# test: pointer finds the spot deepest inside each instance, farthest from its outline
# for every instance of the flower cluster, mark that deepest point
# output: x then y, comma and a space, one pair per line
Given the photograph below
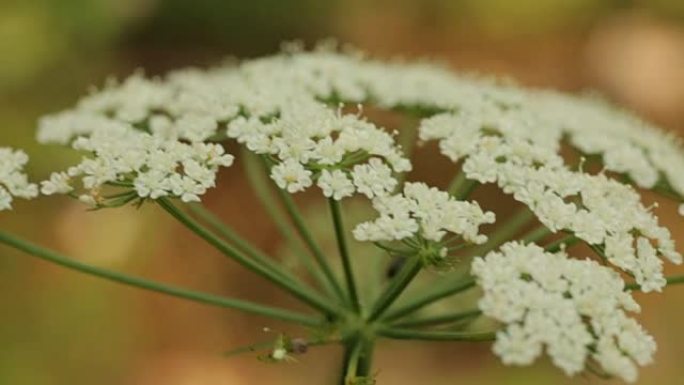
595, 208
144, 165
308, 141
425, 212
13, 182
272, 92
574, 309
151, 138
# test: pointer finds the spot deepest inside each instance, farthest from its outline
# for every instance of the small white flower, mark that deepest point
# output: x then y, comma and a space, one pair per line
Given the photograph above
196, 128
291, 176
13, 182
59, 183
335, 184
373, 178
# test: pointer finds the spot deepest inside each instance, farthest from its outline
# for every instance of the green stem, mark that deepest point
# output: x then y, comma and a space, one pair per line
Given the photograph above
344, 253
292, 287
461, 187
140, 283
674, 280
236, 239
536, 235
260, 183
313, 246
411, 268
440, 319
358, 359
411, 334
423, 300
556, 246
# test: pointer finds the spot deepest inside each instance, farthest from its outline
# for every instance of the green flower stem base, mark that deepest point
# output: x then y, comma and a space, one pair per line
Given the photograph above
292, 287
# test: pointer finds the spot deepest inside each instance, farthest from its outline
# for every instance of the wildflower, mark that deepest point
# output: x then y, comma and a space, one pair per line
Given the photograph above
575, 310
595, 208
335, 184
59, 183
424, 212
13, 182
291, 175
143, 165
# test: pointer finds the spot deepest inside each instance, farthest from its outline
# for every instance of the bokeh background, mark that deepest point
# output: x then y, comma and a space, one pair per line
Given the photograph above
59, 327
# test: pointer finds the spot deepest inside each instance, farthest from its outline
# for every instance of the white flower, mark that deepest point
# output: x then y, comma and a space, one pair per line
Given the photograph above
335, 184
59, 183
13, 182
373, 178
575, 310
424, 211
196, 128
291, 176
315, 136
150, 166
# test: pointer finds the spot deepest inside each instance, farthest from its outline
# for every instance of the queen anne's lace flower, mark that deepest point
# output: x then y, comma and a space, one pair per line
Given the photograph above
145, 166
154, 138
426, 212
13, 182
574, 309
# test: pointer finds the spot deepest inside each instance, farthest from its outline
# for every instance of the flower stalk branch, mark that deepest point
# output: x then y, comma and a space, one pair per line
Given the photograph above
209, 299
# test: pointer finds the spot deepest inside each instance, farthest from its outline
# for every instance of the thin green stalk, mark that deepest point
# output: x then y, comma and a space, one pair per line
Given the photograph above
358, 361
209, 299
536, 235
411, 334
409, 271
260, 183
556, 246
439, 319
674, 280
311, 243
350, 372
242, 244
344, 253
434, 295
461, 187
291, 287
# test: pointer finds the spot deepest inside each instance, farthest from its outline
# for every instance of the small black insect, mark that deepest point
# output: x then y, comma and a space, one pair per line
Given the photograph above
395, 265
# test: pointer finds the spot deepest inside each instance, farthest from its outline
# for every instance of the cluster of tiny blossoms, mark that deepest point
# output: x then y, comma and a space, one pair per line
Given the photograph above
144, 165
595, 208
13, 182
156, 137
309, 141
574, 309
424, 212
198, 105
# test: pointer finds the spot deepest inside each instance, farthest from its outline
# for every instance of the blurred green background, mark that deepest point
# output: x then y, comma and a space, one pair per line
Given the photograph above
59, 328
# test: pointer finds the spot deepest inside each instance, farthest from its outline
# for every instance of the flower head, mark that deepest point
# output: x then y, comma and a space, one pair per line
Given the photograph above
142, 165
596, 208
13, 182
573, 309
424, 215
